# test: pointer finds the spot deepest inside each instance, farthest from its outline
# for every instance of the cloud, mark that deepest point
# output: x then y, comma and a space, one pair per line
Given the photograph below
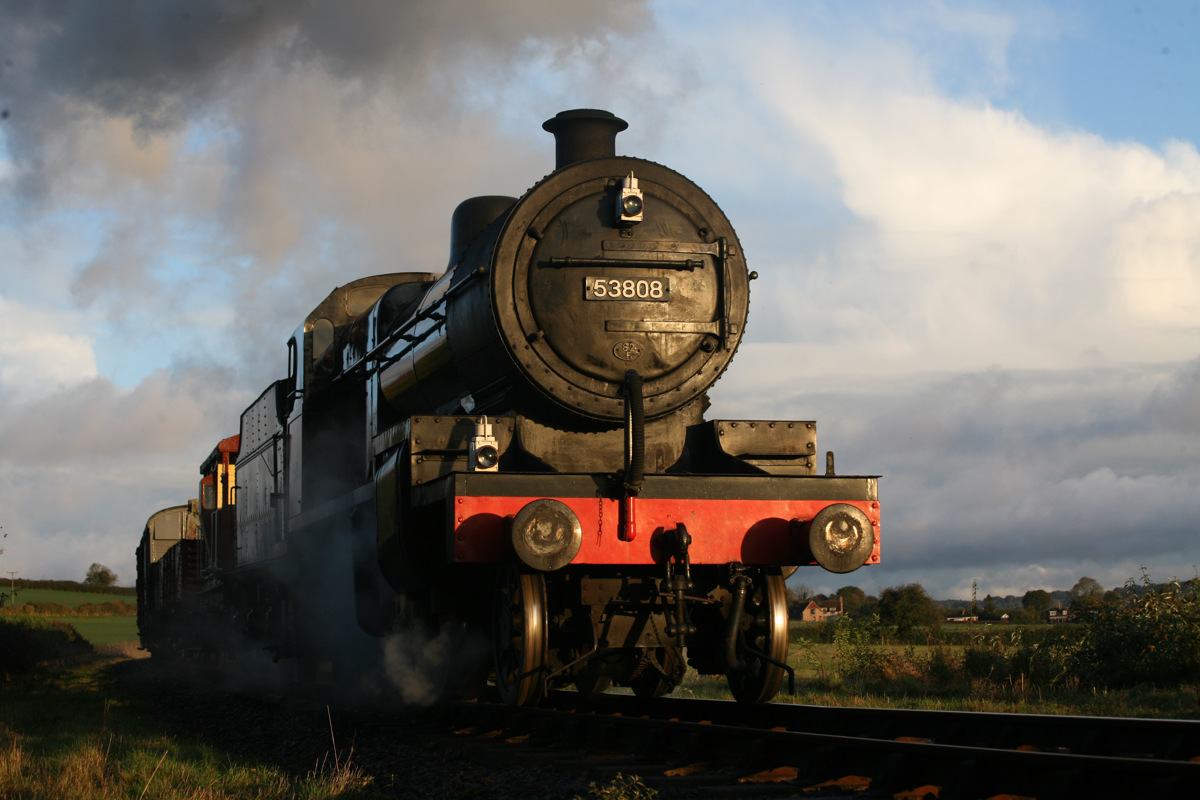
162, 66
1175, 403
1156, 255
82, 467
1002, 325
96, 421
39, 351
259, 154
1000, 473
977, 237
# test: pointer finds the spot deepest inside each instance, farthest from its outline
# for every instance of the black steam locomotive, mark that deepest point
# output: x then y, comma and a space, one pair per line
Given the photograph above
517, 446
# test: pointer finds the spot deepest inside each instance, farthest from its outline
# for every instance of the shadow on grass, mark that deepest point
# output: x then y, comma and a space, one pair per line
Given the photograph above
93, 728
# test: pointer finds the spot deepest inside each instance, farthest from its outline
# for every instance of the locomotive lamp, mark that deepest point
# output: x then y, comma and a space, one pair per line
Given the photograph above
629, 202
841, 537
546, 534
483, 454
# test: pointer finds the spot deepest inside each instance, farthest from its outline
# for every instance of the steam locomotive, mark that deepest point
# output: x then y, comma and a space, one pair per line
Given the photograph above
517, 447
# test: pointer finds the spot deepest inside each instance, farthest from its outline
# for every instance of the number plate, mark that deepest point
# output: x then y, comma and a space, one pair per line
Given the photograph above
653, 290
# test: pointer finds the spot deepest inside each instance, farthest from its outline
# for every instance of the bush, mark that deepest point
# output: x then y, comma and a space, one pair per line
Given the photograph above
1150, 635
109, 609
25, 643
944, 671
48, 608
42, 608
861, 659
1042, 657
814, 632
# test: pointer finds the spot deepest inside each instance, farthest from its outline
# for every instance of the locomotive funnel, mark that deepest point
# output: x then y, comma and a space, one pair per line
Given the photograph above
470, 219
584, 133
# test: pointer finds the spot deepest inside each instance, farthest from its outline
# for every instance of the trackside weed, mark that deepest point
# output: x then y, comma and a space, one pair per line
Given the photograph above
622, 787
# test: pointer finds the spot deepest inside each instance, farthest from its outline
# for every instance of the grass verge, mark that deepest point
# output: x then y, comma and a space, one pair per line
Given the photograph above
1181, 702
1047, 670
67, 730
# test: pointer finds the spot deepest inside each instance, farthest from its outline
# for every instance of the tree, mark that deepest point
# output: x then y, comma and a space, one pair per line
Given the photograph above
848, 591
1036, 601
1086, 587
1086, 606
801, 593
798, 597
868, 609
1028, 616
852, 599
989, 609
100, 575
907, 607
1086, 596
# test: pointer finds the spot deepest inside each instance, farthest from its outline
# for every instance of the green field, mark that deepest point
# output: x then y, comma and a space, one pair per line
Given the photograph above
103, 630
69, 598
97, 630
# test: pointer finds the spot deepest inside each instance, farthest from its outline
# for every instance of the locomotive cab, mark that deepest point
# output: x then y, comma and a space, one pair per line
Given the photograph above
218, 522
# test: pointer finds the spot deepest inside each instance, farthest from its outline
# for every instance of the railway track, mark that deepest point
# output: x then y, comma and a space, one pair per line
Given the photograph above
715, 748
690, 748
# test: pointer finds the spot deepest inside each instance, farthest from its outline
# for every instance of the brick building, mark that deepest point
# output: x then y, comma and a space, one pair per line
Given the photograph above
822, 612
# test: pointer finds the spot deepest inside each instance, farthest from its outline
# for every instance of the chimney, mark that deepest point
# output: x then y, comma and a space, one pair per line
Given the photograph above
584, 133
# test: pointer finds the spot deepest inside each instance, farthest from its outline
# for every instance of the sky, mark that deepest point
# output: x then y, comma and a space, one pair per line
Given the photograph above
977, 227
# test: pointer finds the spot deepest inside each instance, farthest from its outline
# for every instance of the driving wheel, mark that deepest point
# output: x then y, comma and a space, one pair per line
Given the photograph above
764, 633
519, 636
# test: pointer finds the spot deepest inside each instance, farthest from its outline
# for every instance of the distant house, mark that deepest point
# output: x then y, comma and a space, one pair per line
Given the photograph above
965, 618
1058, 615
821, 612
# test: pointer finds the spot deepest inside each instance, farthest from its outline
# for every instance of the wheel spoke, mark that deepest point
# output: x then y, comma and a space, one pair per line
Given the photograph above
766, 636
519, 636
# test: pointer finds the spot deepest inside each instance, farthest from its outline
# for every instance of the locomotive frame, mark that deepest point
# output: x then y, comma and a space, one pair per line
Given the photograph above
517, 448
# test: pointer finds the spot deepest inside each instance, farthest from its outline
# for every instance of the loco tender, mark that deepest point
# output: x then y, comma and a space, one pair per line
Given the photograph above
517, 446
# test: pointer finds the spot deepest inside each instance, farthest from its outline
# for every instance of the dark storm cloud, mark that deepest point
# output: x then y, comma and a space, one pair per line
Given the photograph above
161, 64
257, 96
1176, 404
1021, 478
220, 144
1007, 468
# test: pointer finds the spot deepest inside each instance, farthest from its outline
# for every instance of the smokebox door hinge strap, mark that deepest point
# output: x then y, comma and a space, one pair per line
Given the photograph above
635, 454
